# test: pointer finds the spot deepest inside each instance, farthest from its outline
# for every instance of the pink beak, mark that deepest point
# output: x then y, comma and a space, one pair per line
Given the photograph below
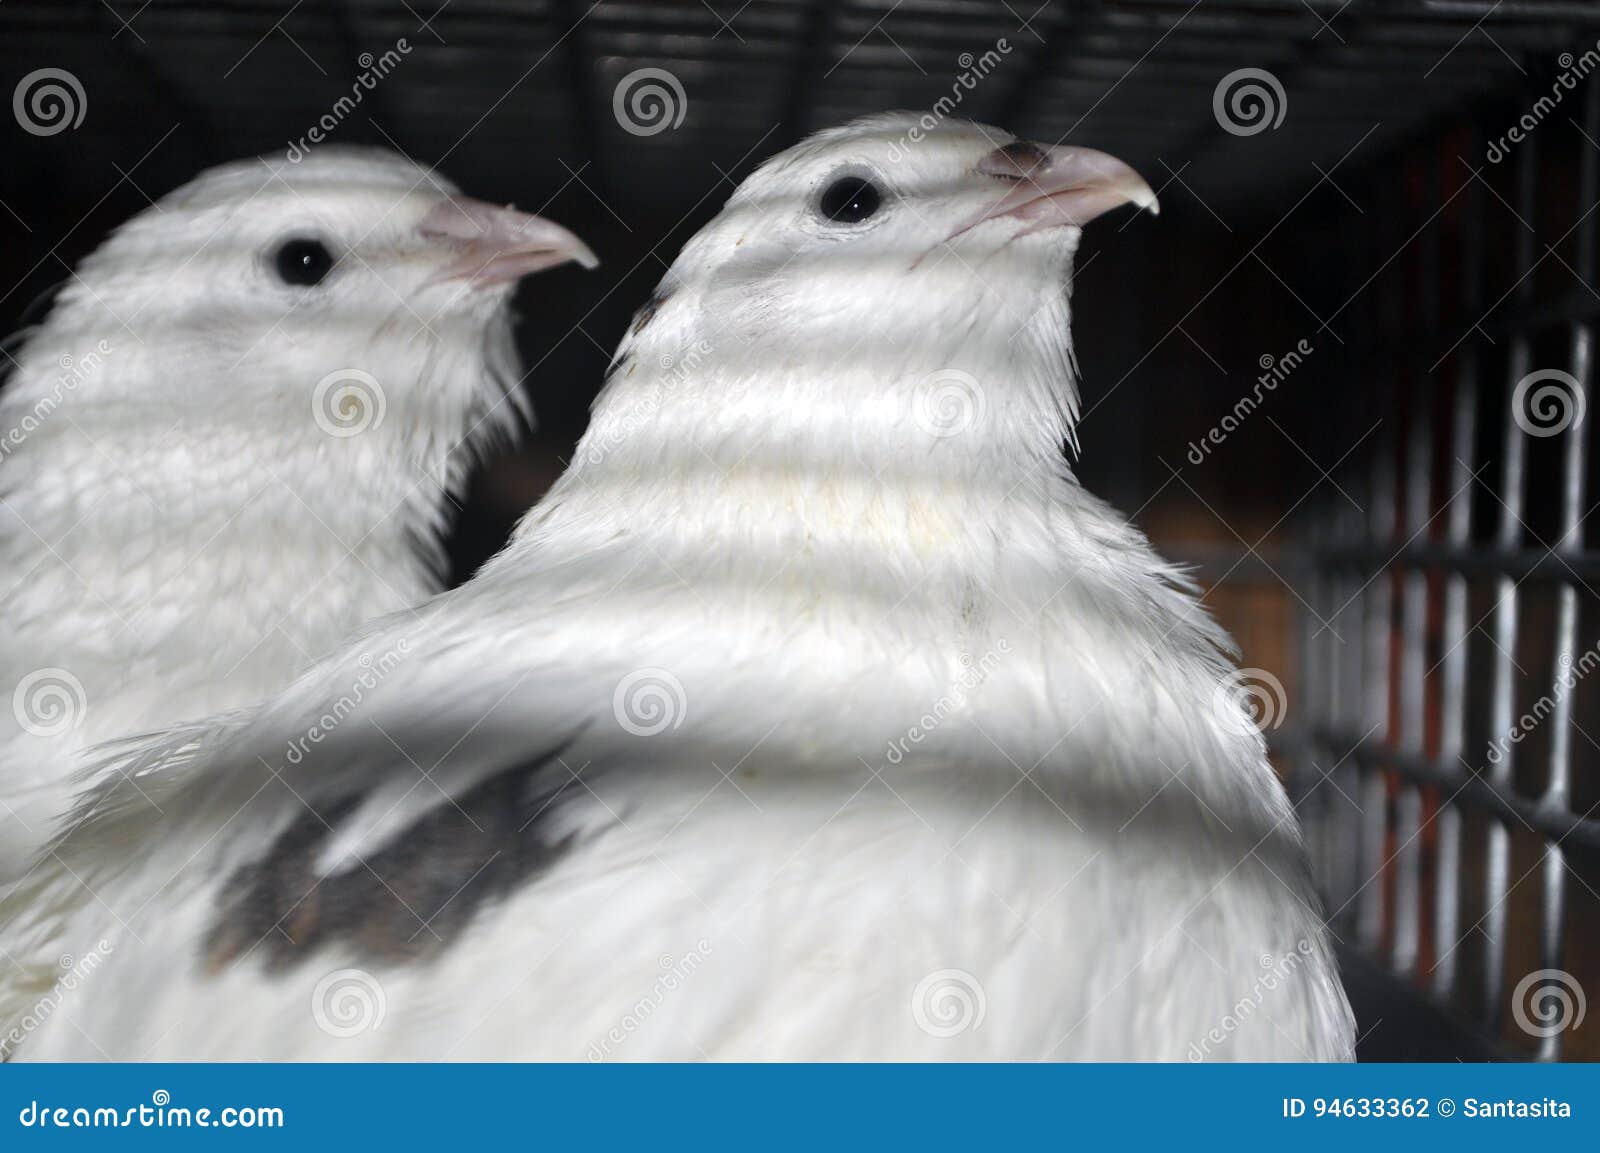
494, 245
1055, 187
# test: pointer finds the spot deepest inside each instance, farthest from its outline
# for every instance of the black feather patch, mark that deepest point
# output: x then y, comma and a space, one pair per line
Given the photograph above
647, 312
410, 899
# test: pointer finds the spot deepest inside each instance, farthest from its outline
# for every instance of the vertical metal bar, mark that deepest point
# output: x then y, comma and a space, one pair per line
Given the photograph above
1378, 603
1347, 651
1413, 673
1352, 677
1508, 537
1316, 699
1378, 626
1414, 620
1557, 793
1453, 666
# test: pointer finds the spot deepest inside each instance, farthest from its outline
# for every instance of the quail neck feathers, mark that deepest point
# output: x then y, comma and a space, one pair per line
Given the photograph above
817, 666
231, 442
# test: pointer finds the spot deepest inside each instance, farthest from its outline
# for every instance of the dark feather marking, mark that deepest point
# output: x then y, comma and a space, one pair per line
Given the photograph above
648, 310
412, 898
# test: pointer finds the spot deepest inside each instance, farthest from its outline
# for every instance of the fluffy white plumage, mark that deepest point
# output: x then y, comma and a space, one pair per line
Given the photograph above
796, 722
185, 520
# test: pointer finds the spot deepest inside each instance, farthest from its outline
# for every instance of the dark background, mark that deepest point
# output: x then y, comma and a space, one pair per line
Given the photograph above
1346, 225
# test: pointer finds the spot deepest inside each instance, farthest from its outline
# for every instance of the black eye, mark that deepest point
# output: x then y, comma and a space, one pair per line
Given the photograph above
850, 200
302, 262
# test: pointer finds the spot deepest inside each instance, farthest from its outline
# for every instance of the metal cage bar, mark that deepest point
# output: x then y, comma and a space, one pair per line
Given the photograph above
1508, 537
1396, 699
1454, 625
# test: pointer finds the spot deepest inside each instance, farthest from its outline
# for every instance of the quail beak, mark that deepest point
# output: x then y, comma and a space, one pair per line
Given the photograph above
1060, 186
493, 245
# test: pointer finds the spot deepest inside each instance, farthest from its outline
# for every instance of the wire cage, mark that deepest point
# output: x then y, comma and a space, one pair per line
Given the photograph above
1348, 374
1448, 751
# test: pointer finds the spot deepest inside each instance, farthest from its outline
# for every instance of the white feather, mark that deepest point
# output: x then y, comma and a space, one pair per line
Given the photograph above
179, 534
840, 830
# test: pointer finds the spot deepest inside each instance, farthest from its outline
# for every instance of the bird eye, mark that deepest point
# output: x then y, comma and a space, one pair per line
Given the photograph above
302, 262
850, 200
